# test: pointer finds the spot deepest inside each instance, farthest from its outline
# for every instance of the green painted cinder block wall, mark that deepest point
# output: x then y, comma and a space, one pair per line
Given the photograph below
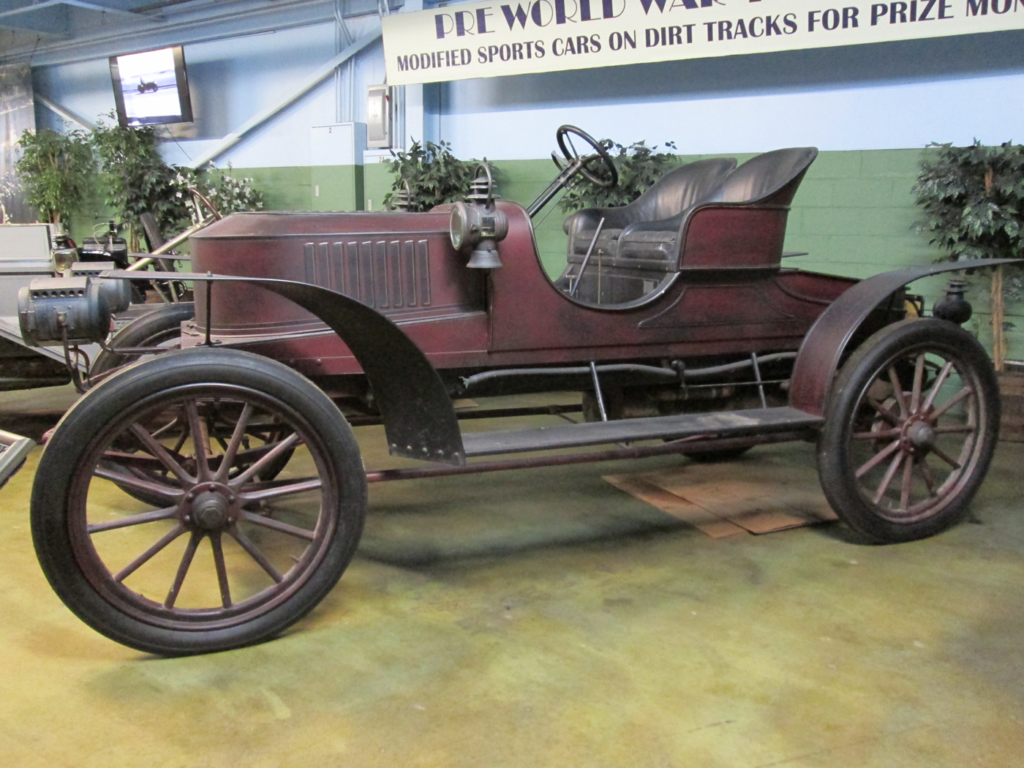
308, 188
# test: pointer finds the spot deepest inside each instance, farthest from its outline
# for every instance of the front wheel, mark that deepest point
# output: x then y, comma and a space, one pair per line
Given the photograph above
155, 522
912, 423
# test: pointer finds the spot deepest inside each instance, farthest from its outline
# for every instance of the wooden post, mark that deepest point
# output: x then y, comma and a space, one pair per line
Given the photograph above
998, 338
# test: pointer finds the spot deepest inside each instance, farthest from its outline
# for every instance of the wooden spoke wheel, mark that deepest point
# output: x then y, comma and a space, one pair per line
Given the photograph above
153, 517
911, 426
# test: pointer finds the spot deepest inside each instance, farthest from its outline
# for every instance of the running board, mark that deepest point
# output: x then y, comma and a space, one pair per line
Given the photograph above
688, 425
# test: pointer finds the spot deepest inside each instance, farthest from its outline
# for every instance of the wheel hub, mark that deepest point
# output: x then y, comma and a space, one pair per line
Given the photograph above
920, 435
210, 506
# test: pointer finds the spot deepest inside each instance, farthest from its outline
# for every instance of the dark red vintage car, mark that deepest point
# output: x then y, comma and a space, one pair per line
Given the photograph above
208, 497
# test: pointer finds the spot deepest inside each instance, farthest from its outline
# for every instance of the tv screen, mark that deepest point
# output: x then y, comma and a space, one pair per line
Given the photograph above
151, 88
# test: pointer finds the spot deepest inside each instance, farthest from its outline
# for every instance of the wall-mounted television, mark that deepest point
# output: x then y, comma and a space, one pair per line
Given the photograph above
151, 88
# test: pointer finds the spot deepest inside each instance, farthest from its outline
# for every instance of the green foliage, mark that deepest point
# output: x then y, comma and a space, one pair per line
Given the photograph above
639, 167
225, 192
55, 171
973, 199
433, 173
134, 176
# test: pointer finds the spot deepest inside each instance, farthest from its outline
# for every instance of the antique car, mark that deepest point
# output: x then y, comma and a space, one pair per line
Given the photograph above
207, 491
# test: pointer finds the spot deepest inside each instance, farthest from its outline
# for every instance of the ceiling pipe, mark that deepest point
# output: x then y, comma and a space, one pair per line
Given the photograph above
311, 82
288, 14
67, 114
78, 4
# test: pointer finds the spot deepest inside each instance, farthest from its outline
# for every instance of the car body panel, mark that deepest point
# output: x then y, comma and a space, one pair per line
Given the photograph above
466, 318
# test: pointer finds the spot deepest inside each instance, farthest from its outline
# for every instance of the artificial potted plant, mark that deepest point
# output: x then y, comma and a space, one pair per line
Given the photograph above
428, 175
135, 178
55, 170
639, 167
973, 201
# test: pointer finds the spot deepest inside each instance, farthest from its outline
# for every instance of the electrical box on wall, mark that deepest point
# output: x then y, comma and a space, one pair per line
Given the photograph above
378, 116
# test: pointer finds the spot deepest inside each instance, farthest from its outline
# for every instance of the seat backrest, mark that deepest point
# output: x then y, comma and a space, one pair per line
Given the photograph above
681, 188
775, 175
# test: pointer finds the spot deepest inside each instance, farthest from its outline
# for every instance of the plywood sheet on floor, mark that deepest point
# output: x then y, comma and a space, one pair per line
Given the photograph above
711, 498
694, 514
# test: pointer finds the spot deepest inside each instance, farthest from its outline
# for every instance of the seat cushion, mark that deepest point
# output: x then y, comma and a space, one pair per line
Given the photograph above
605, 243
649, 244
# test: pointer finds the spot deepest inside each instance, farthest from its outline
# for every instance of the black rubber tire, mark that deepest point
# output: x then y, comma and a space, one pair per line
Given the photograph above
873, 436
152, 329
63, 507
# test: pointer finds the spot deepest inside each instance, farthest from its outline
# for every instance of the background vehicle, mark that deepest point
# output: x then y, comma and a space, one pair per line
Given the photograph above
675, 319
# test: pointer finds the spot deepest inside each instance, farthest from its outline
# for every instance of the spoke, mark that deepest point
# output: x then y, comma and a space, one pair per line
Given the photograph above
880, 435
236, 441
137, 484
277, 491
939, 381
124, 522
255, 554
198, 442
908, 468
277, 525
926, 474
280, 448
946, 457
222, 571
877, 459
934, 415
183, 566
572, 148
142, 559
889, 475
884, 412
915, 395
182, 438
897, 391
150, 444
134, 460
965, 429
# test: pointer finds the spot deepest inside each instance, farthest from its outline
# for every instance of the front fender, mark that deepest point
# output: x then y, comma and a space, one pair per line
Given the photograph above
818, 360
419, 419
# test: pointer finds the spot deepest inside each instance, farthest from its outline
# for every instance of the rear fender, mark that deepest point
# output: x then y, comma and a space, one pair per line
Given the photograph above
419, 419
823, 347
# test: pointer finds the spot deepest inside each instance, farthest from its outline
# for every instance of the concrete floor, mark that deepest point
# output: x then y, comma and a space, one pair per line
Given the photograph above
544, 618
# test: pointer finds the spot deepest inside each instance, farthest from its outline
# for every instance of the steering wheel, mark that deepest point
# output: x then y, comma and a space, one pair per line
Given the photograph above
571, 156
199, 198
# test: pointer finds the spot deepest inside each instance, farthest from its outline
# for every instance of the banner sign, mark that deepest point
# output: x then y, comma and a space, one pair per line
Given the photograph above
514, 37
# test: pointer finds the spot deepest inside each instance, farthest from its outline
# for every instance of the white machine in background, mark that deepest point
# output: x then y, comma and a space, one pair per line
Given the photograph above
25, 254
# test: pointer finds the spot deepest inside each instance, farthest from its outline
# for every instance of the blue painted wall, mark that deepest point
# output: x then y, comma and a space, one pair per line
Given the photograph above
232, 80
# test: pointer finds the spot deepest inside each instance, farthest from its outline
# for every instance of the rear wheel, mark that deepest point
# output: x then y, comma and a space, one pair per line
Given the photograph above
159, 328
912, 423
213, 555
